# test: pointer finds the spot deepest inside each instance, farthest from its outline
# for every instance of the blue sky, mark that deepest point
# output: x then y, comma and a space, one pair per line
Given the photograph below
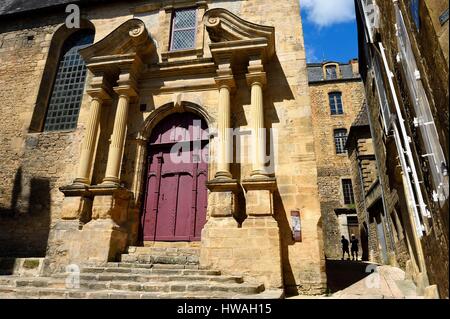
329, 28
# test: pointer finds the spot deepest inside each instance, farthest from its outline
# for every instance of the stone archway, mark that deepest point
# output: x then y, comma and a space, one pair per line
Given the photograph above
175, 198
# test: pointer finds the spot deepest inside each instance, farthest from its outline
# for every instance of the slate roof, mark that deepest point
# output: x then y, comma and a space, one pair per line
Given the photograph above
362, 119
11, 7
315, 72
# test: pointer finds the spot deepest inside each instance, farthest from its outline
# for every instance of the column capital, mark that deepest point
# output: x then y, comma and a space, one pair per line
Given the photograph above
128, 90
226, 81
256, 78
98, 94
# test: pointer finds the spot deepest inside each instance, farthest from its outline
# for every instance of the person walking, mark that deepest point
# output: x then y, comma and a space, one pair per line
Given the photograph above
354, 248
345, 244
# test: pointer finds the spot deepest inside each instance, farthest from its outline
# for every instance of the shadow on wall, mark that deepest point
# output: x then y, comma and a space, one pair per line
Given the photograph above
286, 241
25, 225
342, 274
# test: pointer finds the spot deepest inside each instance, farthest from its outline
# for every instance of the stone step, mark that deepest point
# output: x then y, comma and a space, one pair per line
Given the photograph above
148, 266
155, 286
172, 244
47, 293
142, 278
156, 270
164, 251
159, 259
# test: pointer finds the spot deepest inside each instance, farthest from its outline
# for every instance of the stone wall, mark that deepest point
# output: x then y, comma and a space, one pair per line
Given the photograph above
332, 167
431, 52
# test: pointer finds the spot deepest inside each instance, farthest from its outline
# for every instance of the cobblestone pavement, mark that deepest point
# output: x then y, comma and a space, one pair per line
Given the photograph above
361, 280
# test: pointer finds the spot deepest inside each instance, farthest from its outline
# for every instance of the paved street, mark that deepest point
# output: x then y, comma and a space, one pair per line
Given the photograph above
361, 280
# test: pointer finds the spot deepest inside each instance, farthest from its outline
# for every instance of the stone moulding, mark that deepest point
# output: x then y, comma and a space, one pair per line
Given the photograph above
131, 37
229, 32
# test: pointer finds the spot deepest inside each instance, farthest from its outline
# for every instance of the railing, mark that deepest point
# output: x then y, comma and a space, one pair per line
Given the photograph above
424, 119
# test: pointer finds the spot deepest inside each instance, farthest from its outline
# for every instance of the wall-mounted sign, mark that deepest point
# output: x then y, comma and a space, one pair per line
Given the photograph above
296, 226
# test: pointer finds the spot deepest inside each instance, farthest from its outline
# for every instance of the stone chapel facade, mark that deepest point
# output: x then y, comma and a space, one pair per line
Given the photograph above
88, 138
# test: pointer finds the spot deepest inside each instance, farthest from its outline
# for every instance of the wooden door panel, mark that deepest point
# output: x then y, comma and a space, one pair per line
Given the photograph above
176, 196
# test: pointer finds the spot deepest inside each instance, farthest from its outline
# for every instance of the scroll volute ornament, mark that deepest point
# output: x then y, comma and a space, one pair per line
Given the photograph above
224, 26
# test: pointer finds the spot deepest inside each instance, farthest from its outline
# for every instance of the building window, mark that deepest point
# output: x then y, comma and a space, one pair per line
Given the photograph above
347, 190
336, 103
184, 29
340, 138
65, 99
331, 72
415, 12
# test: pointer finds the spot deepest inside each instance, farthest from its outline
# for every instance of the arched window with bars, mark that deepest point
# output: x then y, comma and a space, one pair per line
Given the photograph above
68, 87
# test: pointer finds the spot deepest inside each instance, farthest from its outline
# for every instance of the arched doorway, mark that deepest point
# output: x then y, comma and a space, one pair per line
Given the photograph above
177, 170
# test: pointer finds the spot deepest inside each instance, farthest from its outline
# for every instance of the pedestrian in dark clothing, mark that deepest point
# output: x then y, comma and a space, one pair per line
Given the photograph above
345, 244
354, 249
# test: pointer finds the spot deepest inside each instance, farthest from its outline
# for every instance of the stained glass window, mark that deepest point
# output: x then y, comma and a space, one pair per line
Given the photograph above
65, 100
184, 29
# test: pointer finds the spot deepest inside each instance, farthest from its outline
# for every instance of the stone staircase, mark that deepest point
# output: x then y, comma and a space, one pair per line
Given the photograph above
143, 273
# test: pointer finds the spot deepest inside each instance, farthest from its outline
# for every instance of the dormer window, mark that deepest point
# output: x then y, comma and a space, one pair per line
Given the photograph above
184, 29
331, 72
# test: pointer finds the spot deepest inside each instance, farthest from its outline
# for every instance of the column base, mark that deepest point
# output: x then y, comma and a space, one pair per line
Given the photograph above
81, 182
99, 242
260, 196
111, 182
223, 175
222, 199
77, 203
253, 250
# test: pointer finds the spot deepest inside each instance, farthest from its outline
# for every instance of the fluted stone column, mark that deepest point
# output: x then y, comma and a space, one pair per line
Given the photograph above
118, 136
90, 138
256, 82
224, 126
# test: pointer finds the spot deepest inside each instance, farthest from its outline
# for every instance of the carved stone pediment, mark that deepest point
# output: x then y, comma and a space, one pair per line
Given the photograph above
228, 32
130, 38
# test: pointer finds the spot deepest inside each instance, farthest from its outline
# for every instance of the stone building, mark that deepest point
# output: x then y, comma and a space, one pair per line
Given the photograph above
116, 135
404, 66
336, 93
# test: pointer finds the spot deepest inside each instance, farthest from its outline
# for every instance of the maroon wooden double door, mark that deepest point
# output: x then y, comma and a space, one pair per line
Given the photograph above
176, 196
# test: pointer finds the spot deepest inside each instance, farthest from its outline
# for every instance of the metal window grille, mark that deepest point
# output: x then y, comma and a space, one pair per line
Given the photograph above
184, 29
424, 117
65, 100
347, 190
336, 103
331, 72
340, 138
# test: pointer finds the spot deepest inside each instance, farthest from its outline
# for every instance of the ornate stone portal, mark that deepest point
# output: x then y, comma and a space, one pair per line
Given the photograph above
100, 216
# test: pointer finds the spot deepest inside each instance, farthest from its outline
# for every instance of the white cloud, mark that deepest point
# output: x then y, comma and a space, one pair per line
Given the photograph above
324, 13
311, 56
